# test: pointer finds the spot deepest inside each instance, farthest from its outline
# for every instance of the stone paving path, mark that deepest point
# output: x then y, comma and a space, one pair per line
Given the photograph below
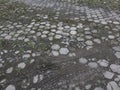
41, 50
92, 14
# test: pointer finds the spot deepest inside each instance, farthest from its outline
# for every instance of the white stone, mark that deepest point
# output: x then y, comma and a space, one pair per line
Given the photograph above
115, 68
88, 86
55, 53
88, 37
103, 63
45, 32
89, 47
59, 32
112, 86
83, 60
9, 70
97, 41
77, 88
111, 37
10, 87
73, 28
72, 54
32, 32
98, 88
93, 64
64, 51
26, 56
55, 47
50, 38
38, 34
104, 23
60, 28
53, 26
116, 23
117, 48
41, 77
117, 54
67, 27
35, 79
58, 36
8, 37
1, 65
108, 75
73, 32
21, 65
31, 61
26, 40
89, 42
43, 36
87, 29
16, 52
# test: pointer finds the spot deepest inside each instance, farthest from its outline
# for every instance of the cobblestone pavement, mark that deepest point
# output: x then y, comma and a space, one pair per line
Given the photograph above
54, 45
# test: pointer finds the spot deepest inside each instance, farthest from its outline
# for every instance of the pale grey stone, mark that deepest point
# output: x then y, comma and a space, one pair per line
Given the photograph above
58, 36
87, 29
59, 32
88, 37
108, 75
55, 53
72, 54
112, 86
50, 38
55, 47
115, 68
32, 32
10, 87
117, 48
53, 26
41, 77
103, 22
97, 41
83, 60
45, 32
87, 87
64, 51
89, 42
26, 39
117, 54
73, 32
111, 37
77, 88
60, 28
31, 61
16, 52
67, 27
8, 37
115, 22
73, 28
26, 56
88, 47
35, 79
98, 88
1, 65
103, 63
38, 34
80, 39
9, 70
21, 65
43, 36
93, 65
33, 54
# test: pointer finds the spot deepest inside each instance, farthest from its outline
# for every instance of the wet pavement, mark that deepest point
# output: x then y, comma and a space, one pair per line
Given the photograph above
57, 45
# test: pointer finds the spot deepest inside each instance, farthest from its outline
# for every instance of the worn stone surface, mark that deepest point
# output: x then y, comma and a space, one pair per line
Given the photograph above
59, 45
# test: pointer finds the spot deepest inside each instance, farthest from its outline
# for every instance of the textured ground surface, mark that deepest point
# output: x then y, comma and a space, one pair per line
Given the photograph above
56, 45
